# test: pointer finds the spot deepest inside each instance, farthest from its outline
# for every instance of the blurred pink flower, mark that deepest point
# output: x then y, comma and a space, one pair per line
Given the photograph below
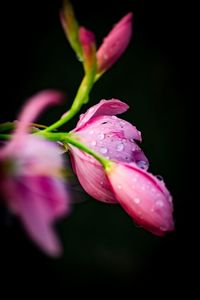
143, 196
115, 43
31, 177
110, 136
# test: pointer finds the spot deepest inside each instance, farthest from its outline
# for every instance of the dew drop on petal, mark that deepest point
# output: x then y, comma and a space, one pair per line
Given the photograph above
119, 186
91, 109
103, 150
105, 56
142, 164
93, 143
101, 136
114, 105
136, 200
91, 131
159, 203
120, 147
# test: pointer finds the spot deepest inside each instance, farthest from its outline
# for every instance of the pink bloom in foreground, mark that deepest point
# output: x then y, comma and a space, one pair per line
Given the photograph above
110, 136
115, 43
31, 177
144, 197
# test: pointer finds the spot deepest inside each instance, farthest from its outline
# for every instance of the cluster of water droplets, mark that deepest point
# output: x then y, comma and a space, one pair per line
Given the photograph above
111, 137
157, 203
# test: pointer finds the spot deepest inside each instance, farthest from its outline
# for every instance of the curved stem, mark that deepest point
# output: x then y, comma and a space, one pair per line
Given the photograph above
80, 99
4, 136
71, 139
84, 148
67, 138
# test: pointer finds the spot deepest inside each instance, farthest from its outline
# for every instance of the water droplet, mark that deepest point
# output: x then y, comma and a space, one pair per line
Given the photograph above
114, 106
103, 150
133, 149
132, 140
142, 164
101, 136
101, 182
105, 56
134, 179
113, 117
120, 147
91, 131
93, 143
91, 109
159, 177
143, 187
152, 209
136, 200
159, 203
119, 186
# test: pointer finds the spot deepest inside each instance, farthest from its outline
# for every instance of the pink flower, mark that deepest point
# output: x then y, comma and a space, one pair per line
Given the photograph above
110, 136
115, 43
31, 177
144, 197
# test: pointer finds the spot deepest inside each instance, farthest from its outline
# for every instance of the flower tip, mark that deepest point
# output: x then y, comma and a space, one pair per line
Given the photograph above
55, 252
86, 37
115, 43
127, 18
124, 21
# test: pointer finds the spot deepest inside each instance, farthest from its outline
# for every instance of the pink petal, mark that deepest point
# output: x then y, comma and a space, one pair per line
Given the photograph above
143, 197
34, 106
113, 138
91, 176
29, 112
38, 207
103, 108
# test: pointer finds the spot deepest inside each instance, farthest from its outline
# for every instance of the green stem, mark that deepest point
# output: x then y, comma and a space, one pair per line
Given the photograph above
71, 139
80, 99
5, 136
84, 148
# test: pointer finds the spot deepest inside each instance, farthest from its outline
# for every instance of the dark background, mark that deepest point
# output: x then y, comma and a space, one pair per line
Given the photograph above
102, 247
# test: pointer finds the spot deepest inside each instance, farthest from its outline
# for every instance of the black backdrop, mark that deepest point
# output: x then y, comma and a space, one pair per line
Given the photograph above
101, 245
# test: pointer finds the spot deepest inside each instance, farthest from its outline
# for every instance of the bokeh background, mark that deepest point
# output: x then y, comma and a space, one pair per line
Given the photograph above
102, 246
